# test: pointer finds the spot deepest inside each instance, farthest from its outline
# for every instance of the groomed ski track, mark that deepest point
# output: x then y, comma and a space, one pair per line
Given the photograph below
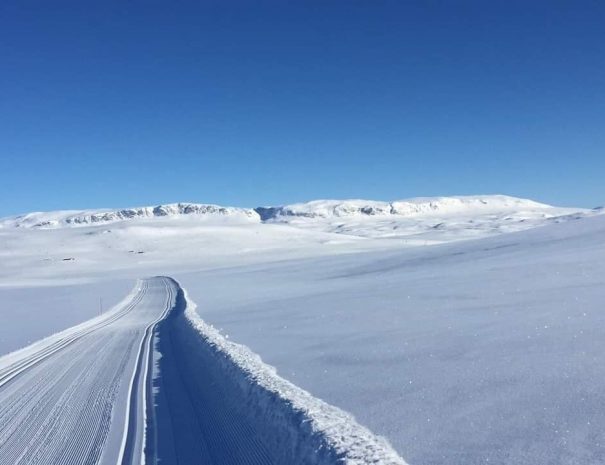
74, 398
150, 383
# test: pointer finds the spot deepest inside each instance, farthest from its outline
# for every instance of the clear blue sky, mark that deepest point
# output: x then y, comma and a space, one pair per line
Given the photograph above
109, 104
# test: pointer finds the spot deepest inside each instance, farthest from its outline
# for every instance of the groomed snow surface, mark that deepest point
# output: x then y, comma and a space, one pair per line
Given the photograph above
463, 330
86, 395
226, 406
78, 396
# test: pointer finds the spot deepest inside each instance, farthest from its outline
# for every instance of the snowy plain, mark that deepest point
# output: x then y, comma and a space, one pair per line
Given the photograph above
464, 330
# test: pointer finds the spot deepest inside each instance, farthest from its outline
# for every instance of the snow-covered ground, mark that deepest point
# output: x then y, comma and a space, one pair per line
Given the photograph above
79, 396
487, 351
28, 314
464, 330
149, 382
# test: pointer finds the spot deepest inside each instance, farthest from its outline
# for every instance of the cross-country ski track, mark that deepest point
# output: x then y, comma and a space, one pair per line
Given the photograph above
149, 383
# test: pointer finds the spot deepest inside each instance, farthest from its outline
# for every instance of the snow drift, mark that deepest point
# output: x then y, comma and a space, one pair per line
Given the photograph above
299, 428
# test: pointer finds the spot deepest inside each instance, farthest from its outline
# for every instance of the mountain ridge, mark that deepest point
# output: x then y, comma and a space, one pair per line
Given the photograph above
323, 209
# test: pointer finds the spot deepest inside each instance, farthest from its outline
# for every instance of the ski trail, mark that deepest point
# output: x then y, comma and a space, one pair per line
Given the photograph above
217, 403
77, 397
149, 383
196, 422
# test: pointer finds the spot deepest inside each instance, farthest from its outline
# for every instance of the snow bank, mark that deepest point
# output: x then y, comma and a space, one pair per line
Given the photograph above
300, 428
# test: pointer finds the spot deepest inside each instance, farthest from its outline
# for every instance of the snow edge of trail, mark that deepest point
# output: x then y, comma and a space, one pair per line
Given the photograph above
304, 428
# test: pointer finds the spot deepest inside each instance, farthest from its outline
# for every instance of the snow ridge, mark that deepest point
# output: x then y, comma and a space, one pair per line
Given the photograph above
159, 211
304, 428
410, 209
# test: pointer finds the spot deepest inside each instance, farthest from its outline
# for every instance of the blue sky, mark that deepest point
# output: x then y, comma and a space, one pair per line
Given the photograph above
109, 104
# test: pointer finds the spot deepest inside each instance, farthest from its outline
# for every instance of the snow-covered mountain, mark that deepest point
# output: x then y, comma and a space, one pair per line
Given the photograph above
92, 217
417, 221
319, 210
410, 207
435, 219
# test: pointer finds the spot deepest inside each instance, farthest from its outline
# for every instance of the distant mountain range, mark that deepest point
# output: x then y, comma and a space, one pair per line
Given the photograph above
320, 210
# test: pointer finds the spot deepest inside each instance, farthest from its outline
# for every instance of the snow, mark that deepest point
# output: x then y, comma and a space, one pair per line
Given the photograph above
28, 314
474, 352
433, 219
78, 249
302, 429
68, 398
409, 207
87, 217
461, 331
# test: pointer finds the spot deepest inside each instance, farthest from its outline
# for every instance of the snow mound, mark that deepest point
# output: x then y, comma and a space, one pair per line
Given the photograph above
305, 429
410, 207
90, 217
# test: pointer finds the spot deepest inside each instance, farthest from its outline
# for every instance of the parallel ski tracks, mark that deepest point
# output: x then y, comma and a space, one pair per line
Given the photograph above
86, 396
77, 399
133, 443
19, 367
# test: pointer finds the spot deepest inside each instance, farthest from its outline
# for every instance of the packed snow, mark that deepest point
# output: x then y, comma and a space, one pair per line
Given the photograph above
79, 396
463, 330
286, 424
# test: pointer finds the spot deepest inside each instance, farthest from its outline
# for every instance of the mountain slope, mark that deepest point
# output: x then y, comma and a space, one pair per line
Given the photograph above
434, 219
410, 207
